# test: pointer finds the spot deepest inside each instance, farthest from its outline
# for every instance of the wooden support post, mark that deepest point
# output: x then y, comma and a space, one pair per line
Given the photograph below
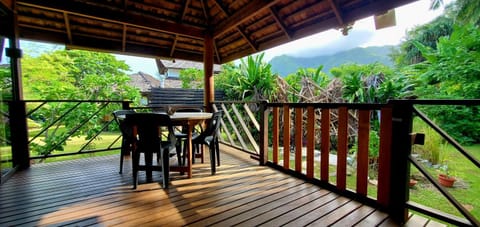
18, 121
19, 135
209, 90
384, 157
399, 164
263, 133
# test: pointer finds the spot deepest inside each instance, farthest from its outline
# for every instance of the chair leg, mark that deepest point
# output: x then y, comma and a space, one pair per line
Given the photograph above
212, 157
123, 151
135, 163
165, 168
202, 156
179, 150
217, 149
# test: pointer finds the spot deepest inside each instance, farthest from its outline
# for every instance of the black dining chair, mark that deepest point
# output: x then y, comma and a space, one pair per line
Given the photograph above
127, 137
153, 133
209, 137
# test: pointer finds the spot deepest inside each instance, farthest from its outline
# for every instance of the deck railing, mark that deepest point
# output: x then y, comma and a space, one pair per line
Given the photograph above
342, 147
314, 141
42, 121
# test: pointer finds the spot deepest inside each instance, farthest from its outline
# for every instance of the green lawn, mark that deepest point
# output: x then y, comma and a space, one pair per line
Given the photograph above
466, 189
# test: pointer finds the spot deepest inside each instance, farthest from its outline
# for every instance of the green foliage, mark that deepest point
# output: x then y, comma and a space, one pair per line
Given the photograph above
295, 79
433, 145
251, 80
78, 75
453, 71
428, 35
373, 83
192, 78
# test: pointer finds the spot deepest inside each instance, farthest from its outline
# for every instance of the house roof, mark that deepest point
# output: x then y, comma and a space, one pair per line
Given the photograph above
144, 81
177, 29
182, 64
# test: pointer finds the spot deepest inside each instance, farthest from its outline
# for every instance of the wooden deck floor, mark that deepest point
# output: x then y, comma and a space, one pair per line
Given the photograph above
92, 192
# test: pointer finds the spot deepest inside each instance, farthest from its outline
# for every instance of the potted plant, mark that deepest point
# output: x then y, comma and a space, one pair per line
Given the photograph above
444, 178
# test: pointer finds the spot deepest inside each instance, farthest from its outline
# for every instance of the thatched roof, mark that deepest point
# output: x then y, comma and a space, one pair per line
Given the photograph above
144, 81
182, 64
177, 29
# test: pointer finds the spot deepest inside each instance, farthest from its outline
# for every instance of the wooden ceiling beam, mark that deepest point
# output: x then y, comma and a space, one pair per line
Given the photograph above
219, 58
184, 10
247, 12
280, 23
173, 45
126, 18
248, 40
124, 38
67, 28
205, 12
337, 12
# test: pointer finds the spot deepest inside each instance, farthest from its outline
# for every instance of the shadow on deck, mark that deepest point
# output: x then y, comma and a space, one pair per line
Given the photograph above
92, 192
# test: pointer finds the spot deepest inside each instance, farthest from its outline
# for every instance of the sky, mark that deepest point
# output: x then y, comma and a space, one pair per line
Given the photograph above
363, 34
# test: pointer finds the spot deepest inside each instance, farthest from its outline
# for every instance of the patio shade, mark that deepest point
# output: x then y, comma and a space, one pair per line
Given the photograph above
177, 29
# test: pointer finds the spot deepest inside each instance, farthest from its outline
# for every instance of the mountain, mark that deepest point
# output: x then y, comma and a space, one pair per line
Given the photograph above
285, 64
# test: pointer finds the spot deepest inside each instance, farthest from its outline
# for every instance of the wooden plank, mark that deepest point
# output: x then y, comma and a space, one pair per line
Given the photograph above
251, 116
286, 137
298, 139
416, 220
91, 192
354, 216
374, 219
246, 211
325, 144
333, 216
246, 129
310, 141
384, 157
318, 212
297, 213
362, 152
342, 148
275, 134
234, 127
225, 129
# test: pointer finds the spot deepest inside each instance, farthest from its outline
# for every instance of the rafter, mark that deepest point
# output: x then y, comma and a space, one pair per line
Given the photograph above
126, 18
242, 15
173, 45
336, 10
222, 7
67, 28
280, 23
219, 59
205, 12
124, 38
246, 38
184, 10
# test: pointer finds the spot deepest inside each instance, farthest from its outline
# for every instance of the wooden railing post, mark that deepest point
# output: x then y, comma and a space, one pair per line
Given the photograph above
263, 133
126, 105
19, 134
402, 117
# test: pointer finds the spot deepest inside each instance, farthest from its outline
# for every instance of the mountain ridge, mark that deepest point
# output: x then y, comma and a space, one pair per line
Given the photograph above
286, 64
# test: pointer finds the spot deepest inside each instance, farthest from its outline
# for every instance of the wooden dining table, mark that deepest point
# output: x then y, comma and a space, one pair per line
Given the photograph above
190, 120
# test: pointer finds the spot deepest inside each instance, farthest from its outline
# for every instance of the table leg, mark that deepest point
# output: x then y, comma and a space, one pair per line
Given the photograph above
189, 149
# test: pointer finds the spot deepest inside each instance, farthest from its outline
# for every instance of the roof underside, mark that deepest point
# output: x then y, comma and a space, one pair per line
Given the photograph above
176, 29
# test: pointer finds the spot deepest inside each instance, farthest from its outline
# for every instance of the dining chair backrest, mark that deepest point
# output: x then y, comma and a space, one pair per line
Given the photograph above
119, 116
214, 124
150, 128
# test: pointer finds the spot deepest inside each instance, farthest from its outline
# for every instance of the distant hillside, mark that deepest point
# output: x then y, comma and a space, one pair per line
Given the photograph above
285, 64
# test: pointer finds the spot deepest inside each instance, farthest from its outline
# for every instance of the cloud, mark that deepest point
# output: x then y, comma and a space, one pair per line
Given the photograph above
354, 39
